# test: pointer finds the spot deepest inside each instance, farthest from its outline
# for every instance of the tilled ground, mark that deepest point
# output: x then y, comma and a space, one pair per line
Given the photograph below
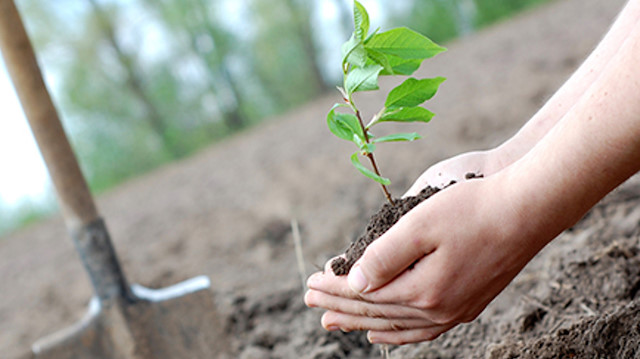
226, 213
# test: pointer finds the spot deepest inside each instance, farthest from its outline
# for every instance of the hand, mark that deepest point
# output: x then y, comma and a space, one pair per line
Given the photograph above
483, 163
466, 244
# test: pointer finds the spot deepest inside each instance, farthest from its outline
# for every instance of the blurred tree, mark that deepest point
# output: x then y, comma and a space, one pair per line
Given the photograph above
211, 44
300, 14
437, 19
345, 16
490, 11
142, 82
283, 54
134, 80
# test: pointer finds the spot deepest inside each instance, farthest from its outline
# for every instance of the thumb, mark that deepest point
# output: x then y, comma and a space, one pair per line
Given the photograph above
390, 254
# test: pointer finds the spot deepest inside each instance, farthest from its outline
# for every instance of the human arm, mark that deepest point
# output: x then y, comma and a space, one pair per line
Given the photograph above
490, 161
471, 239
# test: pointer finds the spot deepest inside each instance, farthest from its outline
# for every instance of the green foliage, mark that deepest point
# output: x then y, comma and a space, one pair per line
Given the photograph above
410, 114
398, 137
365, 57
361, 21
23, 214
405, 44
412, 92
344, 125
444, 20
134, 99
367, 172
490, 11
362, 79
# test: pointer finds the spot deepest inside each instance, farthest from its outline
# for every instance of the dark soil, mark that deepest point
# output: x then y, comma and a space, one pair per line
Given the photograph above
226, 213
388, 215
577, 299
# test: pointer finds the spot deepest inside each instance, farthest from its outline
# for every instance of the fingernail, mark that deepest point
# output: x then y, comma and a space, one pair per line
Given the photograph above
356, 280
333, 328
372, 339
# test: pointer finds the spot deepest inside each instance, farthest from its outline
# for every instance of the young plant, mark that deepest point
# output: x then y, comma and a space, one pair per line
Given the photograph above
365, 57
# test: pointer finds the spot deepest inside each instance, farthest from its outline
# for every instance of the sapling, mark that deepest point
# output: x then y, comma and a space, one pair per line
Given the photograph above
365, 57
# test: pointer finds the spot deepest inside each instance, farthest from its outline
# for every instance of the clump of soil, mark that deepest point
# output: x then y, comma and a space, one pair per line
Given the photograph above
380, 222
388, 215
580, 298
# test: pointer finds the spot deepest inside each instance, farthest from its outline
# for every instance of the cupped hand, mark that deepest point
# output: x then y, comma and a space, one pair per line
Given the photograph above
478, 163
439, 266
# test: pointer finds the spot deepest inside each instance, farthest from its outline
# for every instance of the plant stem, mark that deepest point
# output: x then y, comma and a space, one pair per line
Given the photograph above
372, 159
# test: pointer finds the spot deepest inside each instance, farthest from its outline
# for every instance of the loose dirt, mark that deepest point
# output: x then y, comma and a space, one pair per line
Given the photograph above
388, 215
226, 213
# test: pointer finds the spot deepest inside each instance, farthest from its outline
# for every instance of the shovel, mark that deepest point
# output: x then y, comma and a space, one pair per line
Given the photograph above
123, 321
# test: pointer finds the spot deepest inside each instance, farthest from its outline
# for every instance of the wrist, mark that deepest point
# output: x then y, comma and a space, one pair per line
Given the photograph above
534, 216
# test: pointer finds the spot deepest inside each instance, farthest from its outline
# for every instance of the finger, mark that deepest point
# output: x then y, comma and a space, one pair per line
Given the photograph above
330, 283
418, 185
327, 265
413, 287
314, 298
407, 336
391, 254
349, 323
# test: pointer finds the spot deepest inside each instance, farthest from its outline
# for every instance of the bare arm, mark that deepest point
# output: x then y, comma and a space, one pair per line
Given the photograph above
492, 161
468, 242
569, 94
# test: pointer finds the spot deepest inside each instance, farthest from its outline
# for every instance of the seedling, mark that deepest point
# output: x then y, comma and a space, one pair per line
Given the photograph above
365, 57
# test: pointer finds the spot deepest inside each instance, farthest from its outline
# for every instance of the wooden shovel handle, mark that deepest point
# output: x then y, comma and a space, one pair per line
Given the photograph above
73, 193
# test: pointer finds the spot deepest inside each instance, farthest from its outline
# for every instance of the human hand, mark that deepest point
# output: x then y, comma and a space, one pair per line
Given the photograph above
439, 266
456, 168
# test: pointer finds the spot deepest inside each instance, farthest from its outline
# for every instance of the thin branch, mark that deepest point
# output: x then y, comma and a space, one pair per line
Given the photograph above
371, 158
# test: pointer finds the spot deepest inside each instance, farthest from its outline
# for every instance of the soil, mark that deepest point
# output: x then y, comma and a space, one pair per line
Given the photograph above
381, 221
226, 213
388, 215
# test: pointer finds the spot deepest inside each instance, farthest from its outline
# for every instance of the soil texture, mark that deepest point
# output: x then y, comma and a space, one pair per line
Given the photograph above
388, 215
227, 213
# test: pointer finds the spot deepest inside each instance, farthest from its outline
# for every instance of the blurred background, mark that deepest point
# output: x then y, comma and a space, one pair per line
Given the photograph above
141, 83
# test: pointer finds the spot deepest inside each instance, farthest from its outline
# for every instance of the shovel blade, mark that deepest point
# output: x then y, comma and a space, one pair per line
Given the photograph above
175, 322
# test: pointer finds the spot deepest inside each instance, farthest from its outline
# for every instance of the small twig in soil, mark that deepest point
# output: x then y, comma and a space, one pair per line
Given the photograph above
295, 230
384, 351
587, 309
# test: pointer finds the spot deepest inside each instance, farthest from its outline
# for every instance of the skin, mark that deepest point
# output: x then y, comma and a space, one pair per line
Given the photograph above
473, 238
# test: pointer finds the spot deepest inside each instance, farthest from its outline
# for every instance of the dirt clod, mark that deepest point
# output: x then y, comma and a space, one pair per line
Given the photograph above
380, 222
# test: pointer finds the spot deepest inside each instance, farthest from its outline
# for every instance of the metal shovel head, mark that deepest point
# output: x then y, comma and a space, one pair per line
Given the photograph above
174, 322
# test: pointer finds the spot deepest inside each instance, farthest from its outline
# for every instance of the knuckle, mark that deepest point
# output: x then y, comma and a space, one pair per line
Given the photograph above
429, 302
371, 313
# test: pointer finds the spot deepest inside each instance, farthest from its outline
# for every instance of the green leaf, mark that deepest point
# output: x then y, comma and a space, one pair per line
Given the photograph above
362, 79
398, 137
401, 66
379, 58
364, 147
397, 66
413, 92
353, 52
343, 125
371, 35
367, 172
361, 20
408, 114
404, 43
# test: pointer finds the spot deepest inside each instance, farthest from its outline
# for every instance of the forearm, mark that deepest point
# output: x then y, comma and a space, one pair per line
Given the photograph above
573, 89
594, 148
